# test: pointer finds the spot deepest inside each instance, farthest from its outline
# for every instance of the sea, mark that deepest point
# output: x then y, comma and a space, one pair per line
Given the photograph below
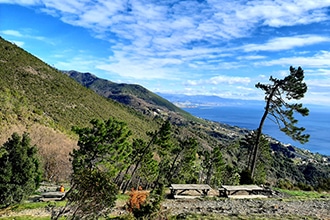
317, 123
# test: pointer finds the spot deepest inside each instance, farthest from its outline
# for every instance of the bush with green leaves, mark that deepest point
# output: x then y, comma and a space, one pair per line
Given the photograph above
103, 152
20, 173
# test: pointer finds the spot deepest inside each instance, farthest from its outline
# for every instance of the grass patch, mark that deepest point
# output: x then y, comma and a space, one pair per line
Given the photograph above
36, 205
299, 194
30, 206
122, 197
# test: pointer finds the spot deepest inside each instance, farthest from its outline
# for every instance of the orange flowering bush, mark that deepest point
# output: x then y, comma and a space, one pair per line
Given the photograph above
137, 199
145, 205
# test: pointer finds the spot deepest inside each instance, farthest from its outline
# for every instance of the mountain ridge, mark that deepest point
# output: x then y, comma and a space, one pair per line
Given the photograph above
132, 95
190, 101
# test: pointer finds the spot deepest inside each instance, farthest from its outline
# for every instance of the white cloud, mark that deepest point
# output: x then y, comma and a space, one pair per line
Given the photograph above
284, 13
251, 57
229, 79
319, 84
73, 7
318, 91
318, 72
18, 43
220, 79
186, 27
132, 67
285, 43
128, 70
22, 35
191, 40
319, 60
21, 2
191, 20
13, 33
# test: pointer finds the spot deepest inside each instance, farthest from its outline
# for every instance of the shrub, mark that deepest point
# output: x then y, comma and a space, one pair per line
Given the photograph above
305, 187
284, 184
137, 199
144, 205
19, 170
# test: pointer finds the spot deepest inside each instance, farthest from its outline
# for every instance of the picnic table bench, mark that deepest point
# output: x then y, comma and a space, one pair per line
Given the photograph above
51, 196
178, 189
227, 190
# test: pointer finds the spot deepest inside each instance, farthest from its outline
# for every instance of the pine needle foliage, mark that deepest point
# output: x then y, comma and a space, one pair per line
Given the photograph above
102, 153
19, 170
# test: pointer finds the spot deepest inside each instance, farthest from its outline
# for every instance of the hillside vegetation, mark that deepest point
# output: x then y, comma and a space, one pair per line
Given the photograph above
132, 95
46, 103
32, 91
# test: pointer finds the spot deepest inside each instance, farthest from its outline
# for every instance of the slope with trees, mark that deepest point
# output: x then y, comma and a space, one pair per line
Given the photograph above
42, 101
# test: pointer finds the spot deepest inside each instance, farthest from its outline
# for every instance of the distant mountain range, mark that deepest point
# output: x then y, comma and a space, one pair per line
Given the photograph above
189, 101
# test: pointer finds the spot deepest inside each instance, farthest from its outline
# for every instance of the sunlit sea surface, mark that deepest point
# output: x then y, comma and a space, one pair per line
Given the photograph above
317, 124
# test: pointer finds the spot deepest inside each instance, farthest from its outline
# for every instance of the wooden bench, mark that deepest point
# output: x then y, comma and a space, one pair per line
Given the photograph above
51, 196
227, 190
178, 189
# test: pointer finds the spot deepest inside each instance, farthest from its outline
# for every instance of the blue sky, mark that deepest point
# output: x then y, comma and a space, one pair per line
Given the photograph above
194, 47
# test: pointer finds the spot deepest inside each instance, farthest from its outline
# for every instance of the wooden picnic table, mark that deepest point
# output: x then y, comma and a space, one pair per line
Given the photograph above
177, 189
227, 190
52, 196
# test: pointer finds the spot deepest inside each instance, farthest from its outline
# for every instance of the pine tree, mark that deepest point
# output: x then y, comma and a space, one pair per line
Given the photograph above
20, 173
183, 162
142, 161
214, 166
279, 106
103, 151
163, 147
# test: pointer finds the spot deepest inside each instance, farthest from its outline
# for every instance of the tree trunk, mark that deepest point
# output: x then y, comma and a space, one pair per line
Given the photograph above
259, 131
209, 173
145, 151
172, 167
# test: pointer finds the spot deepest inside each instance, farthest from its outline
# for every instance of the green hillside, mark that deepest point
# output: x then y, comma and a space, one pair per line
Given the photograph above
42, 101
32, 91
132, 95
108, 88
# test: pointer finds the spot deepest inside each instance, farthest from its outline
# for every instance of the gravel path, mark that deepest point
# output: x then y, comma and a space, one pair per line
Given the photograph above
224, 208
277, 208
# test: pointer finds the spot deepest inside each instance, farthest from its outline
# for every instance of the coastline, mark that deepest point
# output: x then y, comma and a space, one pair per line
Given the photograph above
317, 124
